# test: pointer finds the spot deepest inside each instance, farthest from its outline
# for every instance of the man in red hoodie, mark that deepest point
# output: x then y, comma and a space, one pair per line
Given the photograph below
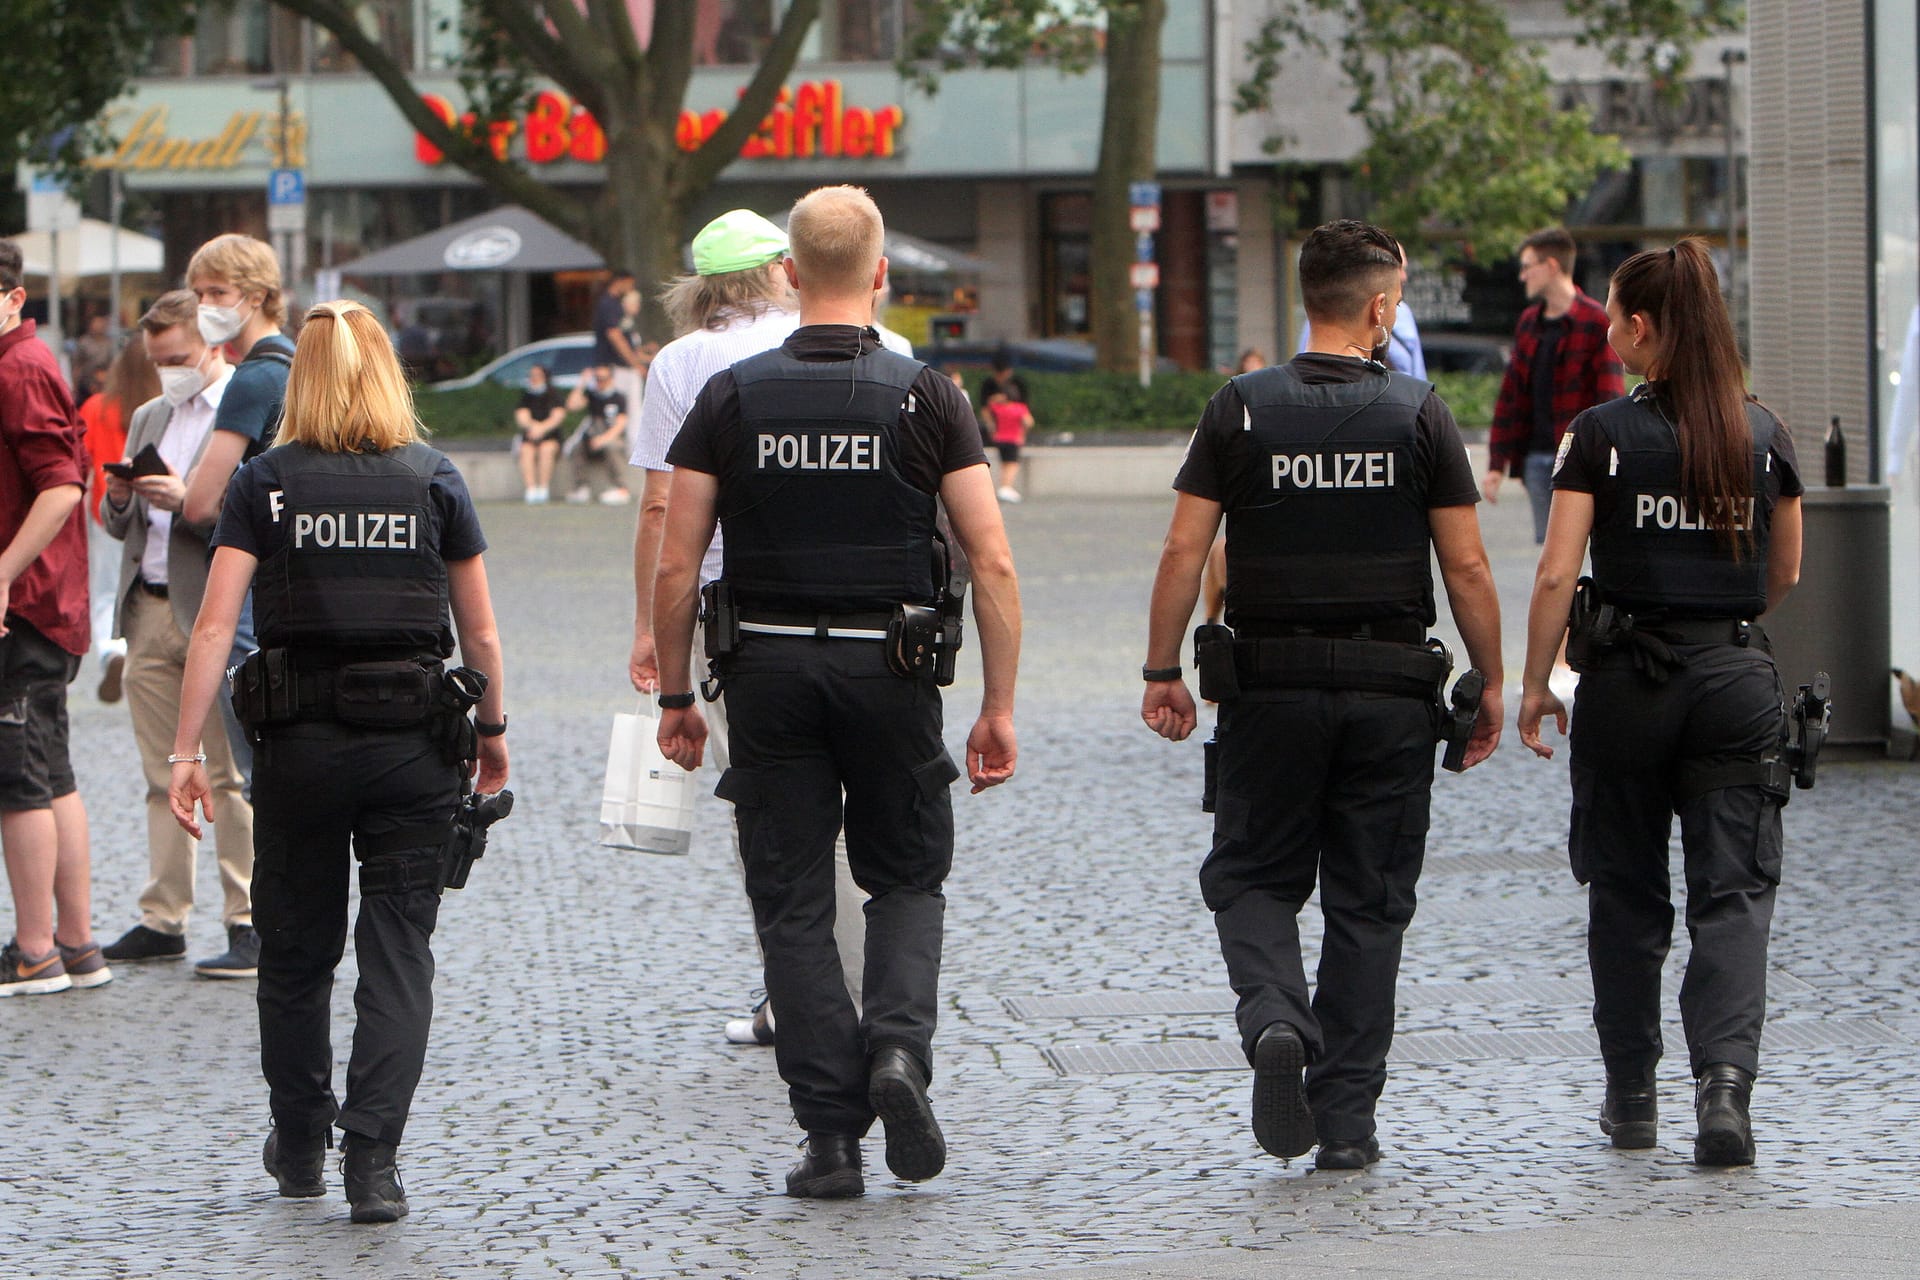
43, 632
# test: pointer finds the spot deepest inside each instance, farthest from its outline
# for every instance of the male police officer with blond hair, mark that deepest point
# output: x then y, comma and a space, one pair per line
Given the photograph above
1335, 476
822, 460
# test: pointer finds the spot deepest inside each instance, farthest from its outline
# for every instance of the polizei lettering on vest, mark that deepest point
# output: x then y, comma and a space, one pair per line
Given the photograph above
828, 451
356, 530
1372, 469
1667, 512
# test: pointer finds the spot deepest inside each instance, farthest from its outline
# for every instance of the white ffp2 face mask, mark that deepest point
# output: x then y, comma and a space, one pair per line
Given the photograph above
220, 324
180, 383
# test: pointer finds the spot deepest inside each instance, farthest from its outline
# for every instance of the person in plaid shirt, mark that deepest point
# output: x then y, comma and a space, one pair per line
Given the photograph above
1561, 365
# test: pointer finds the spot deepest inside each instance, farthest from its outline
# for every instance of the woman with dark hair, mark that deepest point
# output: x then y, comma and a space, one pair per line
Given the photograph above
1688, 496
129, 382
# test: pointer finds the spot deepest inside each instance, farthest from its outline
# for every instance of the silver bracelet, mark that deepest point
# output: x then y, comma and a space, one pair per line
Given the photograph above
198, 757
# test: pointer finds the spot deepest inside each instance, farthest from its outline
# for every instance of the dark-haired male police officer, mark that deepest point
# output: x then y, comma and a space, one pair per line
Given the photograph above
1335, 476
822, 461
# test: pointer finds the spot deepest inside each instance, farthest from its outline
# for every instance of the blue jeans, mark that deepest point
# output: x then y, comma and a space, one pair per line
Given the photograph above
1537, 474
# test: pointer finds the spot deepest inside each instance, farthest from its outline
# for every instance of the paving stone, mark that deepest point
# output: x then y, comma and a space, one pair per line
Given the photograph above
581, 1115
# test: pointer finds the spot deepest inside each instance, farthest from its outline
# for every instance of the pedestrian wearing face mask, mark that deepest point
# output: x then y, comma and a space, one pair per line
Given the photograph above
163, 575
236, 279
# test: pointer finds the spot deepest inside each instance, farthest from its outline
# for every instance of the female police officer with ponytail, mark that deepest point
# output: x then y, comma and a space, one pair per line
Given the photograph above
357, 540
1687, 495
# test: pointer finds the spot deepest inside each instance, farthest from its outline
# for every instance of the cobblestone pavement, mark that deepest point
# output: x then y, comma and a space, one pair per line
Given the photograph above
582, 1117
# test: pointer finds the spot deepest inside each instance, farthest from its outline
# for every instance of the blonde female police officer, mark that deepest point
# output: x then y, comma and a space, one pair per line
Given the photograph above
358, 540
1688, 497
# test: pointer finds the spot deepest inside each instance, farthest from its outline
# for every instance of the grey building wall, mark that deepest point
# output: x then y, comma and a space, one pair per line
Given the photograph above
1811, 230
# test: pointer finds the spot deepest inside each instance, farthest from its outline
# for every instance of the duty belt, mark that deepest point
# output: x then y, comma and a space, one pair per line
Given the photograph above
1314, 663
1735, 631
820, 626
1387, 630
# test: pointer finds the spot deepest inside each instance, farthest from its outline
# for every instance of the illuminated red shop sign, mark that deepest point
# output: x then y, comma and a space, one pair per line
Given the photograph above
812, 120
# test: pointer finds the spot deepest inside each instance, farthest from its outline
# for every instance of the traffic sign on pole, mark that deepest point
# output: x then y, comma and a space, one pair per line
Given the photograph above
1144, 275
287, 200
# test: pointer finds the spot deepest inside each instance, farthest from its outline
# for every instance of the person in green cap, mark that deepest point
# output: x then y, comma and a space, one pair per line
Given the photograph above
736, 303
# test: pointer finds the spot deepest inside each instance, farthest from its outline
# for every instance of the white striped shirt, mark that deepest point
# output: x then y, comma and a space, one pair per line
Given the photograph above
682, 370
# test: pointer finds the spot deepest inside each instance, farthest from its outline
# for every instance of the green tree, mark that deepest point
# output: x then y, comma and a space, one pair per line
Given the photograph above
638, 215
63, 61
1466, 139
1123, 35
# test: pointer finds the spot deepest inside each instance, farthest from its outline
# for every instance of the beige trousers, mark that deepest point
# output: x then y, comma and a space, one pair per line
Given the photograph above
156, 663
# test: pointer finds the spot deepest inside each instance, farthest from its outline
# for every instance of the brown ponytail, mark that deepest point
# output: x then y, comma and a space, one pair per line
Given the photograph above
1701, 381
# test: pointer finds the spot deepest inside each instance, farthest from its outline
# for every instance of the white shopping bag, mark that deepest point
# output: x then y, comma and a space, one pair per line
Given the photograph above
648, 800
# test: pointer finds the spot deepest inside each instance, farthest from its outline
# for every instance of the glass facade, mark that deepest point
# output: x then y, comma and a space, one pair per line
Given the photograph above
1896, 322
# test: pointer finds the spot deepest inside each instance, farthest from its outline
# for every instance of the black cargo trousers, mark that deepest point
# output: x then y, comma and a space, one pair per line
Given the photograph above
317, 786
1332, 783
821, 732
1632, 739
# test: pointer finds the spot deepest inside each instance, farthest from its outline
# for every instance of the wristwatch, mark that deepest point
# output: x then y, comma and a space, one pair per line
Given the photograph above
676, 701
1159, 675
487, 730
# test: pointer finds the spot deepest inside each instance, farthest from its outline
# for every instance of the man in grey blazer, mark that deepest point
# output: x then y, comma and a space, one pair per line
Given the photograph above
163, 575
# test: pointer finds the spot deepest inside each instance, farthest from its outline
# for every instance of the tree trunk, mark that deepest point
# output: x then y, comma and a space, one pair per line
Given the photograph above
640, 217
1129, 117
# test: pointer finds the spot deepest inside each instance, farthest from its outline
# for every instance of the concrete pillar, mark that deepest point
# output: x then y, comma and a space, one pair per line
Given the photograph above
1008, 229
1255, 274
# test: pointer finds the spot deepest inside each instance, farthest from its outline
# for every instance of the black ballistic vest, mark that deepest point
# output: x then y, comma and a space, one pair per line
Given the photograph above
1651, 550
1334, 529
358, 570
816, 513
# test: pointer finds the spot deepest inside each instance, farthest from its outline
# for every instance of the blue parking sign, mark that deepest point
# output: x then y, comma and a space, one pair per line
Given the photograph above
286, 186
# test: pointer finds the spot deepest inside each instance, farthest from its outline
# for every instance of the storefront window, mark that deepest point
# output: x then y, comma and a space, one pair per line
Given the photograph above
731, 32
1066, 262
249, 37
862, 30
389, 23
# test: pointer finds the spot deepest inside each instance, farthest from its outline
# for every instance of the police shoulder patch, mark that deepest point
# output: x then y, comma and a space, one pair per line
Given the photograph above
1566, 447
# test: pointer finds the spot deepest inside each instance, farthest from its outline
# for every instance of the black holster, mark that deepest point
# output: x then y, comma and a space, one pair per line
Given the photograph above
720, 634
913, 641
469, 839
1213, 661
1210, 771
1457, 718
1806, 726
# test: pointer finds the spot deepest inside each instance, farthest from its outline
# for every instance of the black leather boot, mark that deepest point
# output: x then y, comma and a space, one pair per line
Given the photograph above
298, 1165
1726, 1130
829, 1168
1282, 1121
1630, 1115
374, 1193
897, 1092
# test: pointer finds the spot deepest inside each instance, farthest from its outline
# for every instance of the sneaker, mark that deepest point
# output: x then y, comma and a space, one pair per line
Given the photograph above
757, 1029
580, 495
112, 670
241, 959
85, 965
1009, 494
615, 498
141, 944
373, 1187
20, 976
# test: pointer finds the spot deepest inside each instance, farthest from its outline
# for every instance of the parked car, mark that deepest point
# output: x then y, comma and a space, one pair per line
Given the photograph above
566, 358
1465, 352
1039, 355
